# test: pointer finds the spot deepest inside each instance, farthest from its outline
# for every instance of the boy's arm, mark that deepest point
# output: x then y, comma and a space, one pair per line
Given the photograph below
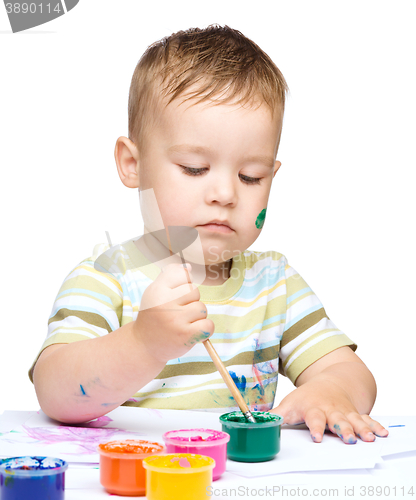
84, 380
337, 390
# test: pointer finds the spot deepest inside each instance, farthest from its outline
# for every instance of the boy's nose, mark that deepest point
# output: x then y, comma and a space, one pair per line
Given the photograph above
221, 187
222, 190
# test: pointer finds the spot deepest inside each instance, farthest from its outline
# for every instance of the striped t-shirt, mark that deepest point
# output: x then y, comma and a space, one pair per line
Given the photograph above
267, 320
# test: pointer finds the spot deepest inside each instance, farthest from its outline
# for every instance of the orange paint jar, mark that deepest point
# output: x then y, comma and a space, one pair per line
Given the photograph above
121, 469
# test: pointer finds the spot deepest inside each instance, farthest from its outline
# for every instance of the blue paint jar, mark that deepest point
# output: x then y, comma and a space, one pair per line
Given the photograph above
34, 478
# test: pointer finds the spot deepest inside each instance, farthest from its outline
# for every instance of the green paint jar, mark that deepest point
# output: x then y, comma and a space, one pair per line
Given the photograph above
249, 442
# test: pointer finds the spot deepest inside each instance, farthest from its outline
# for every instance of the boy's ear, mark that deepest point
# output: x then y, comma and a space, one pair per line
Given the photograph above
277, 165
126, 155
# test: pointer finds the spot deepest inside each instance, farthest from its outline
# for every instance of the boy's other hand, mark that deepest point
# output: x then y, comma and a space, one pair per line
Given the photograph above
178, 321
337, 391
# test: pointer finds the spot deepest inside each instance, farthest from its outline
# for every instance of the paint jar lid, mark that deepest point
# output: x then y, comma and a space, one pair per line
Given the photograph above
179, 463
130, 449
263, 419
30, 466
196, 437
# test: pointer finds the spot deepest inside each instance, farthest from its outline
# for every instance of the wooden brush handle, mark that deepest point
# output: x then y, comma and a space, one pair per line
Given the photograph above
226, 376
223, 371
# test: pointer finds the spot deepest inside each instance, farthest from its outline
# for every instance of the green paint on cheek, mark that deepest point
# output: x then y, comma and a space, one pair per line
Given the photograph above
261, 218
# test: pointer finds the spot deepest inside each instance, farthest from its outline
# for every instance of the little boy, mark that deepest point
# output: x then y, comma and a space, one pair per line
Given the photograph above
205, 118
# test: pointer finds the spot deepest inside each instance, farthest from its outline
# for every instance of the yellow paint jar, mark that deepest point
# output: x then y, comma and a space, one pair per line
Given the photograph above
178, 476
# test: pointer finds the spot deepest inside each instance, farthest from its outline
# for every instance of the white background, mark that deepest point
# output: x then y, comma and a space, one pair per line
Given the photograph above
341, 208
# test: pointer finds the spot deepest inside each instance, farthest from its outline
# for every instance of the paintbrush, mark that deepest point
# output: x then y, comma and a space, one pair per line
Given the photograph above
227, 378
216, 359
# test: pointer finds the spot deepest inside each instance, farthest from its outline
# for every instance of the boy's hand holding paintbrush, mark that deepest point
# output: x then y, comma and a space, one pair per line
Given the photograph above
169, 330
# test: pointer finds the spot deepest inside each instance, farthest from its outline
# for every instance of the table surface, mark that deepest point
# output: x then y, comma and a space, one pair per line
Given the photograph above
393, 476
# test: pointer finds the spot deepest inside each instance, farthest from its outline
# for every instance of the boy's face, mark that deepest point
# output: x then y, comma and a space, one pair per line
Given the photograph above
228, 147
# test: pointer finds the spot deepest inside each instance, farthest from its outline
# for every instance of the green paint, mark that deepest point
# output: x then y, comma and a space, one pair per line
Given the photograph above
249, 442
261, 417
200, 337
261, 218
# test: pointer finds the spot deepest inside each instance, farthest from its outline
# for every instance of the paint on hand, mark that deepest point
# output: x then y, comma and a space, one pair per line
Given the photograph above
338, 428
199, 337
83, 391
261, 218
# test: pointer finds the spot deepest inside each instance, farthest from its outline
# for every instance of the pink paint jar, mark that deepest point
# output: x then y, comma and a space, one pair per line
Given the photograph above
207, 442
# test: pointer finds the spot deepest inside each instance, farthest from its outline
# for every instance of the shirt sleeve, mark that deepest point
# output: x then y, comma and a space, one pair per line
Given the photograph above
308, 334
88, 305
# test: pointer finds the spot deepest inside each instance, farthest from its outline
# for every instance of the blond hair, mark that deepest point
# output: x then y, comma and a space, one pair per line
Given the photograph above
218, 64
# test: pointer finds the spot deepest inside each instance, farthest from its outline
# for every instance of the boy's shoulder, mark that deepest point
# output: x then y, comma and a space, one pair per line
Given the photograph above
116, 259
269, 257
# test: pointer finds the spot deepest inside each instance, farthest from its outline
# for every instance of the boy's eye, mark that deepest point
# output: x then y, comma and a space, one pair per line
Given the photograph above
250, 180
199, 171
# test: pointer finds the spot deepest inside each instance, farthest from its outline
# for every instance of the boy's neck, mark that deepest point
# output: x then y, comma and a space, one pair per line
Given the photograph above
217, 274
212, 275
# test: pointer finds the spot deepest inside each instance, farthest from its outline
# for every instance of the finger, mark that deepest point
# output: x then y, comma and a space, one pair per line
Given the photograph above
375, 426
197, 337
339, 424
195, 311
203, 329
184, 295
372, 427
315, 419
174, 275
290, 416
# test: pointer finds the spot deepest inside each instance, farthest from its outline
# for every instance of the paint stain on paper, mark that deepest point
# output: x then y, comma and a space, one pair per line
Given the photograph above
86, 439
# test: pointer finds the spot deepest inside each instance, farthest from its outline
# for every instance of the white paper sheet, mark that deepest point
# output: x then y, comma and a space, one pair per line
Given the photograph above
402, 436
77, 444
299, 453
16, 418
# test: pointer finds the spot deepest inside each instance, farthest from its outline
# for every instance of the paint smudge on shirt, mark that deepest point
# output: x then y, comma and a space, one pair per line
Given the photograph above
265, 372
240, 383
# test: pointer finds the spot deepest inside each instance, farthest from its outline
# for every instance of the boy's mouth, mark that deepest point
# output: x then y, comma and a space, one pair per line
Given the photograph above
218, 226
